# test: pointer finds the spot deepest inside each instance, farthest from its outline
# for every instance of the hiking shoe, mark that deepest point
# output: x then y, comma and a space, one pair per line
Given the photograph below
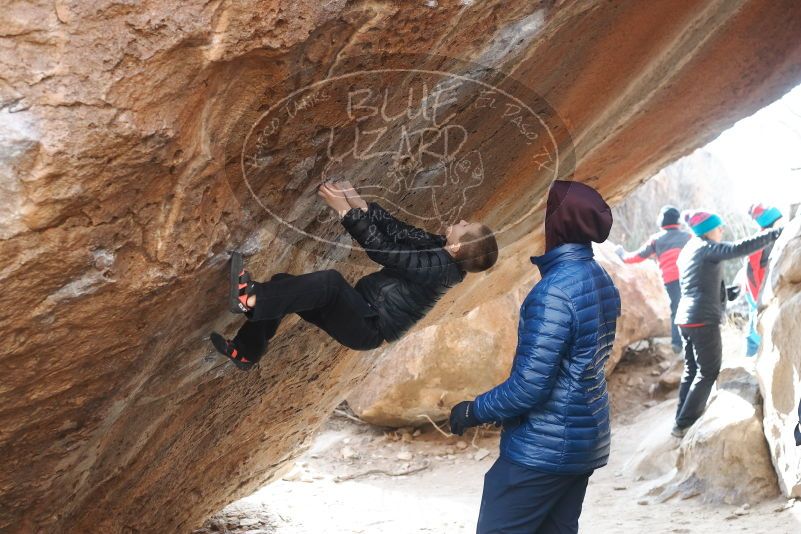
677, 349
678, 432
227, 349
240, 285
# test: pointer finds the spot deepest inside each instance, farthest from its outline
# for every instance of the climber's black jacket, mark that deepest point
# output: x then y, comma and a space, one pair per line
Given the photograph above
417, 269
703, 293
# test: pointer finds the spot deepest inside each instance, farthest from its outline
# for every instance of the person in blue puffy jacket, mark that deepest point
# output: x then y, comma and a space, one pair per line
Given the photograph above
554, 406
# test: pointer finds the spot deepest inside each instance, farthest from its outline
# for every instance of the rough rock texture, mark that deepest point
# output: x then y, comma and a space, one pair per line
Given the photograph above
723, 457
658, 451
433, 368
645, 308
779, 363
120, 200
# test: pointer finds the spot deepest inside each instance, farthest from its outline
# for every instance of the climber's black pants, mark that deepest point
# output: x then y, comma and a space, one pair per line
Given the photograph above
324, 299
703, 353
519, 500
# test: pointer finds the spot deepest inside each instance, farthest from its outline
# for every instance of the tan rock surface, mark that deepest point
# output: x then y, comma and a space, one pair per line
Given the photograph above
645, 308
723, 457
114, 122
432, 369
779, 362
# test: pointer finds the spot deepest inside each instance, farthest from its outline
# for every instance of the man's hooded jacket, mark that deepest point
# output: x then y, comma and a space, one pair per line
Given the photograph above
554, 405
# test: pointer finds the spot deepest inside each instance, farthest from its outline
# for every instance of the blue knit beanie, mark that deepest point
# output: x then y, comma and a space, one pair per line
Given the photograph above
764, 215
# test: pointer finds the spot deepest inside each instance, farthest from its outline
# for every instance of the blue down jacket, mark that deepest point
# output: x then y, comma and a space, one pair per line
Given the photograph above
554, 405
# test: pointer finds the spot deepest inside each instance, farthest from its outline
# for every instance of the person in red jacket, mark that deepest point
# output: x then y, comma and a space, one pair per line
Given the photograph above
664, 246
756, 269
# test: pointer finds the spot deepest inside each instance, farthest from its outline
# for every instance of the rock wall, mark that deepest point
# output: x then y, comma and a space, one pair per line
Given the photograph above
432, 369
120, 199
722, 459
779, 362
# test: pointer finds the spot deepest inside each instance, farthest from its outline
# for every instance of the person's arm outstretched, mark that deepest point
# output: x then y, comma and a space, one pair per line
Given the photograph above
398, 231
744, 247
547, 326
421, 265
641, 254
417, 264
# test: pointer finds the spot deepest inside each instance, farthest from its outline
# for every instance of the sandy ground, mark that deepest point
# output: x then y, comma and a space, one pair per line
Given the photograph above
443, 495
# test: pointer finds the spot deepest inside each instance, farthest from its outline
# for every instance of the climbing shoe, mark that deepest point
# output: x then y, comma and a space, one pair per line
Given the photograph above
240, 285
227, 349
678, 432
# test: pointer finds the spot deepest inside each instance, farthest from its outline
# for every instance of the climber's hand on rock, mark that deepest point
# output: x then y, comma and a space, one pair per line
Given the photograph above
354, 199
334, 197
462, 418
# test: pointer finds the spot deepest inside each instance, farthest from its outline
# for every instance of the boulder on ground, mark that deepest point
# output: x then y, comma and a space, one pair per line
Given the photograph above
657, 453
723, 458
645, 305
671, 377
779, 363
433, 368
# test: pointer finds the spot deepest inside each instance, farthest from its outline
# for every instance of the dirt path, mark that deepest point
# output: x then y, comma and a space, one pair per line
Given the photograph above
444, 496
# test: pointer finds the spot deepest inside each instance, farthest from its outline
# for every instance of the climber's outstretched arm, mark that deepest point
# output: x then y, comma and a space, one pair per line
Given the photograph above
397, 231
422, 264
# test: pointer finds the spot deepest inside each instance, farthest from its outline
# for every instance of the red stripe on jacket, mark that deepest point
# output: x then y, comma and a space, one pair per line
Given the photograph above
666, 246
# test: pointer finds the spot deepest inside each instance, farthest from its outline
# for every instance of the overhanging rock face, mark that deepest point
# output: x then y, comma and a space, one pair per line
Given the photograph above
137, 146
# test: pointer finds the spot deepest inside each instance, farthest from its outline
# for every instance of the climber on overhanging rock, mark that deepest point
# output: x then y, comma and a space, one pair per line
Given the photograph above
702, 307
419, 268
665, 245
755, 270
554, 406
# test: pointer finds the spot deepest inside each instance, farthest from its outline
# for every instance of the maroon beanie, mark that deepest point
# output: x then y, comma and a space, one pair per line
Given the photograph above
576, 213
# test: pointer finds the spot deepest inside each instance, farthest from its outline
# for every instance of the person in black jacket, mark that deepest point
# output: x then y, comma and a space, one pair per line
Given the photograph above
701, 308
419, 268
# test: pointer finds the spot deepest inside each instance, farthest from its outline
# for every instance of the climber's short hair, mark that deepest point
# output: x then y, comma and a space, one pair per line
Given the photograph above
478, 250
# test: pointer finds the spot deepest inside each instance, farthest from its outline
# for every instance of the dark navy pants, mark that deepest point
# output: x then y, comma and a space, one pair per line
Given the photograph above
674, 294
520, 500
